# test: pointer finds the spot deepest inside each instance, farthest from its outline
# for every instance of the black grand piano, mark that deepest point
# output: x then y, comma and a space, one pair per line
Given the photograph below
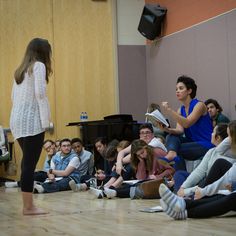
120, 127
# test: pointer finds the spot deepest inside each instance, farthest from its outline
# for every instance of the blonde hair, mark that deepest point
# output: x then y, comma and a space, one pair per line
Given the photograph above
123, 144
37, 50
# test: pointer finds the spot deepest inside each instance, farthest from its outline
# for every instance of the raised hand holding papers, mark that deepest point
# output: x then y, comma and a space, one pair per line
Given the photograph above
156, 116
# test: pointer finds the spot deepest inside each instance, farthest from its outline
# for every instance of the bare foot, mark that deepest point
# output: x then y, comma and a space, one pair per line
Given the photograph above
34, 211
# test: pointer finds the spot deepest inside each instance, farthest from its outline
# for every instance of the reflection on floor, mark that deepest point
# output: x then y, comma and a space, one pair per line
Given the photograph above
81, 215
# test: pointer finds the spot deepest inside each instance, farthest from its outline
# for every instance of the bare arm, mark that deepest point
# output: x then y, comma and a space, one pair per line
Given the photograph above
64, 173
199, 110
126, 159
120, 157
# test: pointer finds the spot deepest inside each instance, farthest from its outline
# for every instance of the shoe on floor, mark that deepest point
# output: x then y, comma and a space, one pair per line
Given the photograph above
110, 193
92, 182
5, 154
96, 192
10, 184
77, 187
38, 188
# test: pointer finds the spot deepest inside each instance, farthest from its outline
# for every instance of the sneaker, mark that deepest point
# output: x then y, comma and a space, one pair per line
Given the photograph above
110, 193
77, 187
5, 154
11, 184
38, 188
92, 182
96, 192
135, 193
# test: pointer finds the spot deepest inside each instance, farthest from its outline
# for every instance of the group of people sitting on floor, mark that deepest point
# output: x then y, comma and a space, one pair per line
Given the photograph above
156, 163
3, 146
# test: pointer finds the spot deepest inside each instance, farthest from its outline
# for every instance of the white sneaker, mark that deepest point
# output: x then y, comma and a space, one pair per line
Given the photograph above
38, 188
11, 184
110, 193
77, 187
96, 192
5, 154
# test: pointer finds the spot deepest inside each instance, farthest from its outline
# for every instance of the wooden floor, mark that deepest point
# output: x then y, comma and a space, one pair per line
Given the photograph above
80, 214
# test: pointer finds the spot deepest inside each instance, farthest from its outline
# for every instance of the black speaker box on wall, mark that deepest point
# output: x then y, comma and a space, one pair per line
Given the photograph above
151, 21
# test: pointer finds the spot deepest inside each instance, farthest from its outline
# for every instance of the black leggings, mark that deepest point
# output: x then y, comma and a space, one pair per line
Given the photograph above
31, 147
124, 190
211, 206
218, 169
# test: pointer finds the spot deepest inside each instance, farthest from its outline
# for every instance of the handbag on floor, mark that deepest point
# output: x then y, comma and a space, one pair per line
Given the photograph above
146, 190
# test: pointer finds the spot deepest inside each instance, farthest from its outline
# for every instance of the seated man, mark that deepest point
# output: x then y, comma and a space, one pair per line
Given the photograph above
40, 175
63, 167
3, 148
50, 147
86, 157
101, 176
215, 112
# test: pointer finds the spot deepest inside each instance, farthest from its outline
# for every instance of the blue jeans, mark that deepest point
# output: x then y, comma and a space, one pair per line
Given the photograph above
179, 177
60, 185
185, 148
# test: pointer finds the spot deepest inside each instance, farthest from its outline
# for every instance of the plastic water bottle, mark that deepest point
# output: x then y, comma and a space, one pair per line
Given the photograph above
82, 116
85, 116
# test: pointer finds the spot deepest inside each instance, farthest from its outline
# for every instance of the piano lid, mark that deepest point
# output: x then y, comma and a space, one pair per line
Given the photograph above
117, 118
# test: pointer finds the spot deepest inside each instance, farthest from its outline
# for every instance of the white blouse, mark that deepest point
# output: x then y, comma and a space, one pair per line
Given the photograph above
30, 113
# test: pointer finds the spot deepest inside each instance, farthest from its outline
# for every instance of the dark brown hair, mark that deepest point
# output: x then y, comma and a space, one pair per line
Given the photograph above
137, 145
189, 83
37, 50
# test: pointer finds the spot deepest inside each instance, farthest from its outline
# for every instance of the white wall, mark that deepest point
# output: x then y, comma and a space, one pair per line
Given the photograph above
128, 17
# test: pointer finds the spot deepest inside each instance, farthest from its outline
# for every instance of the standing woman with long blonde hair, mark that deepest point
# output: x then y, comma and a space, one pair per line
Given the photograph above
30, 114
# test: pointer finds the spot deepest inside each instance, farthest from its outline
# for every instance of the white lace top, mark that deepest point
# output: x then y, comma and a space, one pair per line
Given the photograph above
30, 113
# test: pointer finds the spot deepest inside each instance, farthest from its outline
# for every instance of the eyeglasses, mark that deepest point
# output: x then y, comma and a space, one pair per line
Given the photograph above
145, 133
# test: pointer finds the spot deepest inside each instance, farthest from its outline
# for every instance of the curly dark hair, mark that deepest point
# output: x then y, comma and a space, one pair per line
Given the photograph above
216, 104
189, 83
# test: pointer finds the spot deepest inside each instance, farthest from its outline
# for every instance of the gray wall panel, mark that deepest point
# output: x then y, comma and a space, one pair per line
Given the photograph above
207, 52
172, 57
231, 36
211, 61
132, 80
